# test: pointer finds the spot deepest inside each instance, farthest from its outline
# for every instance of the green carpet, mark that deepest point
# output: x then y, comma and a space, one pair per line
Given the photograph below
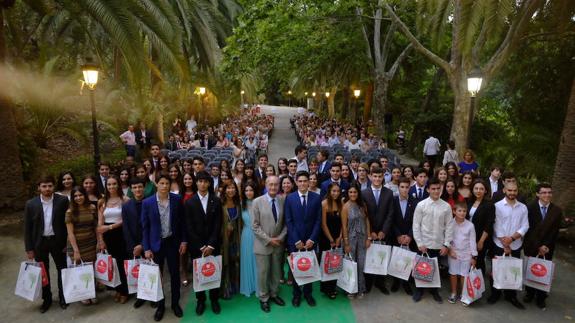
247, 309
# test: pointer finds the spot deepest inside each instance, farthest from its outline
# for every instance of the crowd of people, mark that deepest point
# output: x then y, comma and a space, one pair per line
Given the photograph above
175, 211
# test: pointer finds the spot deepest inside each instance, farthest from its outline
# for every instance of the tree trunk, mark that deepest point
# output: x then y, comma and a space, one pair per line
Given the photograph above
117, 65
11, 183
380, 100
564, 174
331, 102
368, 103
462, 111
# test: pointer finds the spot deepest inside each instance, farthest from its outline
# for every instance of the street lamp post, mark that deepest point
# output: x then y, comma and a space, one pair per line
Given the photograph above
356, 94
289, 98
201, 92
242, 93
327, 101
90, 71
474, 80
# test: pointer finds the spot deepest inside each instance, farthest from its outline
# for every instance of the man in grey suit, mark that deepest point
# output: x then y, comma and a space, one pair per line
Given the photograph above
270, 231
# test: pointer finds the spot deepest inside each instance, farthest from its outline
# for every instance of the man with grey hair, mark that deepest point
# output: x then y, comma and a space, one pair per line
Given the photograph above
270, 231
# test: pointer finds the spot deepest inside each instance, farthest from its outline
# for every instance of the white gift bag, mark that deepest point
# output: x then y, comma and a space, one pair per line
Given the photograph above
29, 282
539, 273
348, 278
507, 273
207, 273
78, 283
377, 259
132, 269
435, 283
304, 264
335, 260
401, 262
314, 272
150, 282
106, 270
473, 286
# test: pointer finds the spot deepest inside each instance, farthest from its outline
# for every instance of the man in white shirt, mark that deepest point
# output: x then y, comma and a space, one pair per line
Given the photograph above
431, 150
191, 124
129, 140
511, 225
432, 230
301, 157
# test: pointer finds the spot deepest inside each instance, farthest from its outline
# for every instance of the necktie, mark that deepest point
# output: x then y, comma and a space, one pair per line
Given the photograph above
274, 212
376, 195
419, 193
304, 204
544, 211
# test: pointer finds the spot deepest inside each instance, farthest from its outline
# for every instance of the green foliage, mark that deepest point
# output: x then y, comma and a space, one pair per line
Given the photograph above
84, 164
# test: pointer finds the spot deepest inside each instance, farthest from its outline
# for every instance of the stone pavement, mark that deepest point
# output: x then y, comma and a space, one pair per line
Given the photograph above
375, 307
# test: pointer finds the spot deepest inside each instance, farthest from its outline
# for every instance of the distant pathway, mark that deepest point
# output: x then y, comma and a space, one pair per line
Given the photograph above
283, 140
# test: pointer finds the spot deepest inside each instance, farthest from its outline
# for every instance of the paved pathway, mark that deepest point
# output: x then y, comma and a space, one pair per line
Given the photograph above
375, 307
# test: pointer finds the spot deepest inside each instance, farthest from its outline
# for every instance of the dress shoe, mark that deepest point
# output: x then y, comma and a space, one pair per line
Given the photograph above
437, 298
200, 308
395, 286
296, 301
265, 306
384, 290
417, 296
45, 305
310, 301
159, 313
516, 303
492, 299
138, 303
216, 308
278, 301
407, 289
177, 310
63, 305
541, 304
528, 298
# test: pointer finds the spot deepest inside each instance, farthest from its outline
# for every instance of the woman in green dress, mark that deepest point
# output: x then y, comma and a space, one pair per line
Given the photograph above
231, 232
81, 222
149, 187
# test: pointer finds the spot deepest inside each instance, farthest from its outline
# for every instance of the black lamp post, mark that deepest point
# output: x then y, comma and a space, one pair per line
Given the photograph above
90, 71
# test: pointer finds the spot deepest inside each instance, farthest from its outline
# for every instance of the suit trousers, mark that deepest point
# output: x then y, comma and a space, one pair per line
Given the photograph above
297, 290
269, 273
496, 293
214, 293
432, 253
48, 247
169, 251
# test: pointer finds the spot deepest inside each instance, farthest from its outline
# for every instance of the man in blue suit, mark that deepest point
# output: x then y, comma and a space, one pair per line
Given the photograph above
164, 237
335, 177
323, 165
302, 211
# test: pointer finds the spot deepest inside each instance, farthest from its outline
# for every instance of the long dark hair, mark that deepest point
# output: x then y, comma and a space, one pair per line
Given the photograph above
59, 185
146, 177
107, 193
75, 207
279, 169
236, 199
330, 200
127, 182
254, 187
445, 195
359, 200
294, 187
463, 175
487, 196
183, 188
96, 192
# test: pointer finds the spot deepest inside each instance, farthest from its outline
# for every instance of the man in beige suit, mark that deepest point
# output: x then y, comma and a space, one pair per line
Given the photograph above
270, 231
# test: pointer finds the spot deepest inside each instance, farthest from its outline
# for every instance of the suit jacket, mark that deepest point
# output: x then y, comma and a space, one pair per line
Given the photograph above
34, 222
132, 224
403, 224
325, 170
499, 195
152, 227
265, 227
204, 228
483, 219
413, 193
302, 224
140, 137
325, 184
542, 231
380, 215
100, 185
171, 145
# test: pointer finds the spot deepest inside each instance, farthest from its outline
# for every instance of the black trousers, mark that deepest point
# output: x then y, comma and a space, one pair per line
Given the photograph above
116, 246
48, 247
169, 252
297, 290
496, 293
432, 253
539, 294
377, 280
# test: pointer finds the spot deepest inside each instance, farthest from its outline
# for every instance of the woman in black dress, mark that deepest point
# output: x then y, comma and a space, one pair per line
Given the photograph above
331, 228
481, 212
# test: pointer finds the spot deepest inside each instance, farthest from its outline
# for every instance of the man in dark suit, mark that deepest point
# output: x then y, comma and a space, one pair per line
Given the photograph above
379, 202
144, 137
335, 177
45, 234
402, 226
164, 237
302, 211
418, 192
104, 173
261, 169
323, 165
204, 221
544, 223
132, 224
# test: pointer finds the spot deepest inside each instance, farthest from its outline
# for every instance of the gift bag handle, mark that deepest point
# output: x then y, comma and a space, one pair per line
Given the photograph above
539, 256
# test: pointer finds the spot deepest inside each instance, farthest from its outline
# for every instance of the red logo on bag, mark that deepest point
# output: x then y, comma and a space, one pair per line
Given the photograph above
335, 260
470, 290
101, 266
538, 270
477, 283
208, 269
303, 264
423, 268
135, 271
